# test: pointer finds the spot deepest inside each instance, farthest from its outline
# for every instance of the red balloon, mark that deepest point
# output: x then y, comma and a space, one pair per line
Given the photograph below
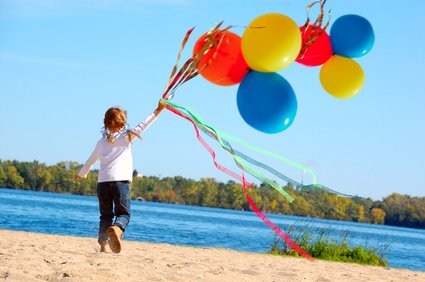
228, 67
318, 52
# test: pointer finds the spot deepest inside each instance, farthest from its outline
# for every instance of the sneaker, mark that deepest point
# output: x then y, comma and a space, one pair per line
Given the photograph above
114, 233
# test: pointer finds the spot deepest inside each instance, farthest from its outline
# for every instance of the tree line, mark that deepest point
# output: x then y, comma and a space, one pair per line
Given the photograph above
395, 209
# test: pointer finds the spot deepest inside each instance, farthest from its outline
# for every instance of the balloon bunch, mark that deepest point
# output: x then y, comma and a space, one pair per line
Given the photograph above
271, 42
265, 100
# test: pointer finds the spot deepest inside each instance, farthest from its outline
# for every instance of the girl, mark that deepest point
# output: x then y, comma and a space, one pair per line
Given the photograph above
113, 151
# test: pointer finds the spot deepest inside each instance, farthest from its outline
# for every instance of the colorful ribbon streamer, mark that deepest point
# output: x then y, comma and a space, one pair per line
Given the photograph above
213, 133
219, 135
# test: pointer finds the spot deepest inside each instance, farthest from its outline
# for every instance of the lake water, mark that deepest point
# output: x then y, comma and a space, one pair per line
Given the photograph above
195, 226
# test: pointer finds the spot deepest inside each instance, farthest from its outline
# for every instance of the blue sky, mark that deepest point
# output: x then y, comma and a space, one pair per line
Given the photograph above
63, 63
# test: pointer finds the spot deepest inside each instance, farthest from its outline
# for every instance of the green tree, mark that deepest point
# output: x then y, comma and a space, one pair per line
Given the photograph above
191, 194
13, 178
3, 176
378, 216
404, 210
234, 196
43, 178
208, 192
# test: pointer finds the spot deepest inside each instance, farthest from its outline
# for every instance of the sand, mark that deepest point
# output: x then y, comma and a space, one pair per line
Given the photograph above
26, 256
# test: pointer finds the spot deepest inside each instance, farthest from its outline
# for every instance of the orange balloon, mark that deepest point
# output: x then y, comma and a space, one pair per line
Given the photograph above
224, 64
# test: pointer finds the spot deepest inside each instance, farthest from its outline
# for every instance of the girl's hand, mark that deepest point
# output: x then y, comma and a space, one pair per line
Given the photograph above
78, 177
159, 109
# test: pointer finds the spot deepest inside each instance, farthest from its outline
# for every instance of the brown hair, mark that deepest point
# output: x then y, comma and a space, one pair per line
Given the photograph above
115, 120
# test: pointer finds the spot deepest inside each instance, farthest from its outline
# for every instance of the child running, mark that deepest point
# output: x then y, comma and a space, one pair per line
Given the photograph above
113, 151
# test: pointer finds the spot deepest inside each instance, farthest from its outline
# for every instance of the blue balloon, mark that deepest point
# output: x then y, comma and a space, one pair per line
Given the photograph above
352, 36
266, 101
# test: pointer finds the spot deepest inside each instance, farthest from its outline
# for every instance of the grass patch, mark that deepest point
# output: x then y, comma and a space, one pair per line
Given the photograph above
320, 246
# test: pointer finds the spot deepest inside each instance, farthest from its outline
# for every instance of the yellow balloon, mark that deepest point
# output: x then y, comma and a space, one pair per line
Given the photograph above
342, 77
271, 42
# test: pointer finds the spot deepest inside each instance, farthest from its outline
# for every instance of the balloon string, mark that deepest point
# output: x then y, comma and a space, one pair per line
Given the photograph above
206, 146
246, 185
316, 28
255, 149
190, 68
173, 72
225, 145
217, 135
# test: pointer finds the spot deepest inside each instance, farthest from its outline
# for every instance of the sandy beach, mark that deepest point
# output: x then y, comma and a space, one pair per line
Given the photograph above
26, 256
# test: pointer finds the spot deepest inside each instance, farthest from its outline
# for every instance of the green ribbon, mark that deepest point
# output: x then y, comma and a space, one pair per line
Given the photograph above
241, 159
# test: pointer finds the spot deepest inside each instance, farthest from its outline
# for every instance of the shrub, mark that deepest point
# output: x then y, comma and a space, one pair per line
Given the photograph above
319, 246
